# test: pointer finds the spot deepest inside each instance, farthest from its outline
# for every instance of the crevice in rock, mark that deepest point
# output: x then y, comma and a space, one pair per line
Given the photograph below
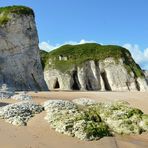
89, 85
137, 85
76, 84
105, 80
56, 84
36, 83
128, 84
98, 74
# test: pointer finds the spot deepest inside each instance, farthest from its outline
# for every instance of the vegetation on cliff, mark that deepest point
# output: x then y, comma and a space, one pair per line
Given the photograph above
5, 11
44, 57
73, 55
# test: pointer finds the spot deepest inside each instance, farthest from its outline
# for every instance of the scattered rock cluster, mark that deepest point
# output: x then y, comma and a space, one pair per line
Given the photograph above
84, 101
95, 120
120, 117
20, 113
5, 92
65, 117
22, 96
82, 118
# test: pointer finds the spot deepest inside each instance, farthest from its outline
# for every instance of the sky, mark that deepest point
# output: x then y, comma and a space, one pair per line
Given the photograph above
119, 22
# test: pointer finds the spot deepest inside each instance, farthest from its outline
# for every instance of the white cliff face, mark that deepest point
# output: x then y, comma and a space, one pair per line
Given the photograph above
142, 84
103, 75
57, 80
146, 75
20, 65
115, 76
88, 76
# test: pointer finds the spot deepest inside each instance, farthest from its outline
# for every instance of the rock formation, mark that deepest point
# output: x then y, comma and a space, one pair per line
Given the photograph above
92, 67
90, 120
19, 113
146, 75
20, 66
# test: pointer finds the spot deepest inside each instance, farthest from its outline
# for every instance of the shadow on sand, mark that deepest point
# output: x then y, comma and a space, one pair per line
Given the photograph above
3, 104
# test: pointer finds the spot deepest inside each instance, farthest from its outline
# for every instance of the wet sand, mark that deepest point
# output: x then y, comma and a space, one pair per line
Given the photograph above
37, 133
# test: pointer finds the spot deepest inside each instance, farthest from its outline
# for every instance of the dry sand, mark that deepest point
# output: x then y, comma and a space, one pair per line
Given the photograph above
37, 134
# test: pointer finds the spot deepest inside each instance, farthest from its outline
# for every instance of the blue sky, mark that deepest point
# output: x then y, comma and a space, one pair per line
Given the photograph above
121, 22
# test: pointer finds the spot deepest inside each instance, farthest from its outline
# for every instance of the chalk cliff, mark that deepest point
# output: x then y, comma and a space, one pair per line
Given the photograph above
20, 65
146, 75
92, 67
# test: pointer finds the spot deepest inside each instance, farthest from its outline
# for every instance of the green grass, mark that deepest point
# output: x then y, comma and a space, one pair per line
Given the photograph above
78, 54
17, 10
4, 19
5, 11
44, 57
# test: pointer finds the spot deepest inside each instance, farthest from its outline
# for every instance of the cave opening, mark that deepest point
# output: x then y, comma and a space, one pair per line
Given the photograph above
75, 85
105, 80
56, 85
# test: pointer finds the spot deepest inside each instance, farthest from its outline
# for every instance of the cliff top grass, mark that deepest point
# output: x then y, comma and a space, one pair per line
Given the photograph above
21, 10
77, 54
17, 10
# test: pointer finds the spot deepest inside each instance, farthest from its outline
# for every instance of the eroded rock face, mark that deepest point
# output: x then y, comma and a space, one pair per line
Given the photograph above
20, 65
146, 75
91, 75
57, 80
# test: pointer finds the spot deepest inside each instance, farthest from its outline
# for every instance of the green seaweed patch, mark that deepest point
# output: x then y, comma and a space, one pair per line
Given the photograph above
120, 118
96, 130
144, 123
93, 122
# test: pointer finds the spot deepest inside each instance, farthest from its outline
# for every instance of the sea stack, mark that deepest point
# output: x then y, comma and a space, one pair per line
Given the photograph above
20, 65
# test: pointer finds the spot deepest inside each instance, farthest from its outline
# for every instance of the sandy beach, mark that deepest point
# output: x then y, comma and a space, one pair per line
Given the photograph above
38, 134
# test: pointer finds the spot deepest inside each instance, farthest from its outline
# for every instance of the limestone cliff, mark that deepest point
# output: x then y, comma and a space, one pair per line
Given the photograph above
92, 67
146, 75
20, 65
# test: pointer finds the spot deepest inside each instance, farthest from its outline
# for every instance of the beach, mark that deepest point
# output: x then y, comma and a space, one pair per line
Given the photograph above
38, 134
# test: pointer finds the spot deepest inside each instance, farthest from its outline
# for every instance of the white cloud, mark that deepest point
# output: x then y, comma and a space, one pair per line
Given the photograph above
47, 46
141, 57
146, 53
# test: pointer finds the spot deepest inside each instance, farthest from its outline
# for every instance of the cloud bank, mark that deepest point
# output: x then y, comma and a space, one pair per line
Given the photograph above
141, 57
47, 46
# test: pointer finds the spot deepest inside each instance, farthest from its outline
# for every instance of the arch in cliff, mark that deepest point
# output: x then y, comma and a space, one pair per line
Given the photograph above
105, 80
75, 85
56, 84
